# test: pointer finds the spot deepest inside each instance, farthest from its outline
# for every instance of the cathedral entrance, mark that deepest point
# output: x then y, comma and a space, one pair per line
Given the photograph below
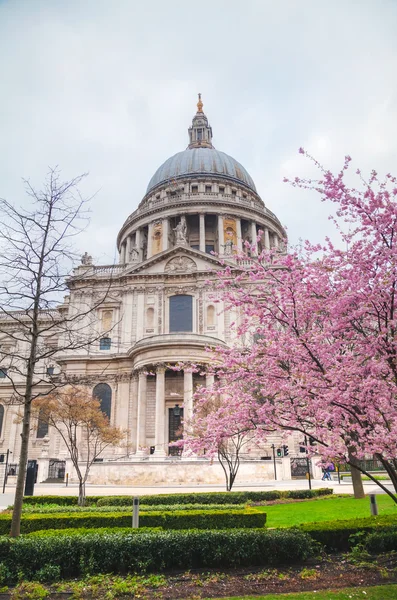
175, 429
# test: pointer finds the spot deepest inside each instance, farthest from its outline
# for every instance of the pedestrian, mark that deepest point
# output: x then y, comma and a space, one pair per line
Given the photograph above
326, 474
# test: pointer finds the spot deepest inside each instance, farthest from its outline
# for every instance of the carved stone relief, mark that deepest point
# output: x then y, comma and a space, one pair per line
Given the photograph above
180, 264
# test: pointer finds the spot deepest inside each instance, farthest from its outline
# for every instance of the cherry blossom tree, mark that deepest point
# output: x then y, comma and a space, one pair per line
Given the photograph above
324, 362
222, 429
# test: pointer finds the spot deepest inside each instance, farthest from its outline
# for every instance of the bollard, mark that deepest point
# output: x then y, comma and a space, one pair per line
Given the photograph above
135, 514
67, 479
373, 505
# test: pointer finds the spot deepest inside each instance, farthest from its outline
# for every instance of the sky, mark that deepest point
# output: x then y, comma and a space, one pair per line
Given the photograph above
110, 88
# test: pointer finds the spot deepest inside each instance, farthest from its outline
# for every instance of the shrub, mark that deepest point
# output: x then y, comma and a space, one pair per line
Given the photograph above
334, 535
168, 520
302, 494
382, 541
78, 555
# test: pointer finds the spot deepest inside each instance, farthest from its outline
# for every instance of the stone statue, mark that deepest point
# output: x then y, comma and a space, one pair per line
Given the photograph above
134, 255
228, 247
86, 259
181, 232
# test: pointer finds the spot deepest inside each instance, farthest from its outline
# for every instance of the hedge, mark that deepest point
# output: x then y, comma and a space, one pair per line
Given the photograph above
167, 520
216, 497
49, 509
193, 498
78, 555
334, 535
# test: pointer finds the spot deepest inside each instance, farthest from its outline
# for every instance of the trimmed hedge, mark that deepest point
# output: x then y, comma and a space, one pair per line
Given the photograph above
219, 519
193, 498
48, 509
334, 535
78, 555
216, 497
60, 500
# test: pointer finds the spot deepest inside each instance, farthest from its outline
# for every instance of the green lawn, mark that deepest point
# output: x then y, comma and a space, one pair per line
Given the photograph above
380, 592
327, 509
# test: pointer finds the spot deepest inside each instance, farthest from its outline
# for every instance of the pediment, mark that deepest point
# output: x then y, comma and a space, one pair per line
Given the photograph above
178, 260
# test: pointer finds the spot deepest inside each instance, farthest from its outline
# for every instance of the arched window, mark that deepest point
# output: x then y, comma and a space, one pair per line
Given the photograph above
210, 316
181, 313
42, 425
103, 392
1, 418
150, 318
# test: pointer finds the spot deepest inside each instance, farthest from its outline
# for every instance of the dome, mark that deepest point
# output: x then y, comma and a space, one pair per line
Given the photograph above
201, 161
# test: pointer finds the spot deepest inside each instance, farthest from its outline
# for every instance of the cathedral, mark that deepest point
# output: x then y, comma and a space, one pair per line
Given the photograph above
200, 207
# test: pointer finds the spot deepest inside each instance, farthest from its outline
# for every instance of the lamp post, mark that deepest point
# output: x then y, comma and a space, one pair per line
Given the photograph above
5, 472
308, 465
274, 462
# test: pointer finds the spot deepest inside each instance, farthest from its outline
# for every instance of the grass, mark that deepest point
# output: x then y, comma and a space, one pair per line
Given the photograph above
379, 592
325, 509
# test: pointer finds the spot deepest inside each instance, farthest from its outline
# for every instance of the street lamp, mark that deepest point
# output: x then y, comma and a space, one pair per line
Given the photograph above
177, 410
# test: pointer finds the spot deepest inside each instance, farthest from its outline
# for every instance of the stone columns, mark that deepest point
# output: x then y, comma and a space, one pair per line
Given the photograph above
209, 380
275, 240
138, 243
150, 240
239, 235
221, 239
128, 250
141, 416
187, 397
159, 436
122, 253
132, 442
202, 232
254, 236
267, 239
165, 234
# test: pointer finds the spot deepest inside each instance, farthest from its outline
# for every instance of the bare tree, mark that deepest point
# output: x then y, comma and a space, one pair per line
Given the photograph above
36, 254
84, 428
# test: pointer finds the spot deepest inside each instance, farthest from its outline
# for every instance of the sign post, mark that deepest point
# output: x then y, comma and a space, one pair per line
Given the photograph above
135, 514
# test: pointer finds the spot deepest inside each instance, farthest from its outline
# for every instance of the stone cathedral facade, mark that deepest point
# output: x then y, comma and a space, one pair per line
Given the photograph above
200, 205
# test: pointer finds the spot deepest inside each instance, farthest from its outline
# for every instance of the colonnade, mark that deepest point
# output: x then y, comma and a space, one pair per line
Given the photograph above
161, 442
134, 253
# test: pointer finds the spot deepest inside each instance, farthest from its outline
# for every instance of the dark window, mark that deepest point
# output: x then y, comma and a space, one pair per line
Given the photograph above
221, 189
42, 425
3, 373
103, 392
50, 370
234, 192
181, 313
194, 189
175, 430
199, 134
209, 248
208, 189
195, 246
105, 343
1, 417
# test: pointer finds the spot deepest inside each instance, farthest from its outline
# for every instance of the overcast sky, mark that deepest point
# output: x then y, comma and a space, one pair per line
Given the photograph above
110, 87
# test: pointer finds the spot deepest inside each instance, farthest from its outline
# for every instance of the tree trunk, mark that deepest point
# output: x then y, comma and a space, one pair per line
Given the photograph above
81, 492
23, 460
358, 488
